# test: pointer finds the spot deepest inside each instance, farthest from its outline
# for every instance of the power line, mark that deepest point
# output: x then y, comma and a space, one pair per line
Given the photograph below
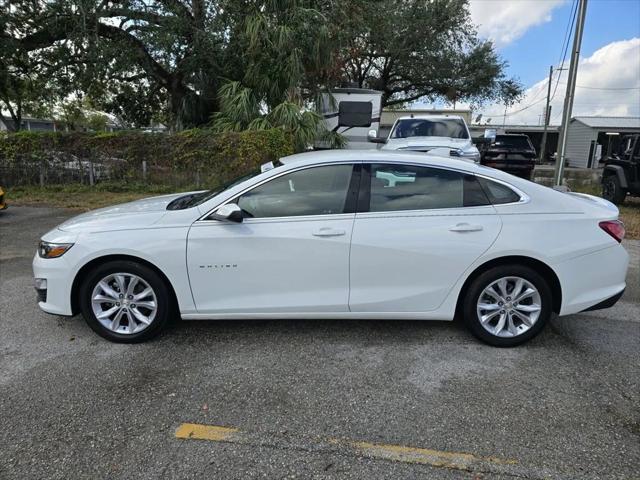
567, 32
606, 88
567, 37
570, 91
563, 55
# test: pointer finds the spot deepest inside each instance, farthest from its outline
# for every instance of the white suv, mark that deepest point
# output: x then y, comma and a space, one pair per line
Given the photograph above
440, 134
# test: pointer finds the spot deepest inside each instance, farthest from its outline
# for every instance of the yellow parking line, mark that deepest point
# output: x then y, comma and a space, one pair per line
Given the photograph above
205, 432
435, 458
394, 453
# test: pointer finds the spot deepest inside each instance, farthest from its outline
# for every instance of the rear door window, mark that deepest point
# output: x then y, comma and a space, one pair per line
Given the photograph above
397, 187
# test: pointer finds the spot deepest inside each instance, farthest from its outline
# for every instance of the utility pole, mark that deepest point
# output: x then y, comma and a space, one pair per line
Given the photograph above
543, 145
570, 93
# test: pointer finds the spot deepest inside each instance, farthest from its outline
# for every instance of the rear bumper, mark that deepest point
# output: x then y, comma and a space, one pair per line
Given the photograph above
593, 280
609, 302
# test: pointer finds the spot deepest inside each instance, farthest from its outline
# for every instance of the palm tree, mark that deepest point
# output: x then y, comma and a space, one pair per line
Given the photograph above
284, 45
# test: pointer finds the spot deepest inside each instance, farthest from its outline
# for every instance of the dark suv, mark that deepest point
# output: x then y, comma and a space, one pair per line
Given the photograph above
511, 153
621, 173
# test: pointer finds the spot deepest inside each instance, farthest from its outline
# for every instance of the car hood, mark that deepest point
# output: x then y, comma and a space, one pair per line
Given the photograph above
425, 143
137, 214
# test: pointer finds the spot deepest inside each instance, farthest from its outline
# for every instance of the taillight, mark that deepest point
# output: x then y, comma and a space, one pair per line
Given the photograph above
615, 228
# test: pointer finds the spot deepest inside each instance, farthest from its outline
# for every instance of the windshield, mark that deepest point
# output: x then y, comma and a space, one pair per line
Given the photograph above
515, 142
192, 199
421, 127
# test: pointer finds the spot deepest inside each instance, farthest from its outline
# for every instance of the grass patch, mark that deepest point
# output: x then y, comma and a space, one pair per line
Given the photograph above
630, 215
85, 197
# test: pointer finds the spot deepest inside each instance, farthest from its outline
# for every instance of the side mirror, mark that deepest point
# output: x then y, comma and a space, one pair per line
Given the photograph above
229, 213
373, 137
490, 133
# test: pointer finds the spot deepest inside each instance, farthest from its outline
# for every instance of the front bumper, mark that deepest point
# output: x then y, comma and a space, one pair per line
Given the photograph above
56, 299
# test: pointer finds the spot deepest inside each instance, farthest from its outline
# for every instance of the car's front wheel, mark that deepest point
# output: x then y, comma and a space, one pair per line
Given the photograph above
125, 302
507, 305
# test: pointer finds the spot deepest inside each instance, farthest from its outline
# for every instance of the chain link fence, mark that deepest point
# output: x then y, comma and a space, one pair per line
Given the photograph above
191, 158
62, 168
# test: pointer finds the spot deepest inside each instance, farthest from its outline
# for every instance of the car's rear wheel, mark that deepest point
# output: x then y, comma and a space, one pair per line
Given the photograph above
507, 305
125, 302
612, 190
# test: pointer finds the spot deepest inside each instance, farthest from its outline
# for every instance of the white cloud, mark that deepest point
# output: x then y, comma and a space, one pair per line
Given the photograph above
612, 75
505, 21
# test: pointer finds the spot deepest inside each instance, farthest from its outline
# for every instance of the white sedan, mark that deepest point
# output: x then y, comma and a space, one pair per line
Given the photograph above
341, 234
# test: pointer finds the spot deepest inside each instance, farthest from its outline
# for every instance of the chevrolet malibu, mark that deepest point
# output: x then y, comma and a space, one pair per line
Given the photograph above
341, 234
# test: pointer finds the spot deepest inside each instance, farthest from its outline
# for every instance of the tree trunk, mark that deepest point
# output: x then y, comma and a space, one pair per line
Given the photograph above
16, 116
189, 109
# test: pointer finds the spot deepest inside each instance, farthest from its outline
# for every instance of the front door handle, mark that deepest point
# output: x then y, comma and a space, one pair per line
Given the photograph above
328, 232
465, 227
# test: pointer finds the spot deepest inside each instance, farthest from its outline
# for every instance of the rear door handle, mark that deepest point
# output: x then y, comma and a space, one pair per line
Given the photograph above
465, 227
328, 232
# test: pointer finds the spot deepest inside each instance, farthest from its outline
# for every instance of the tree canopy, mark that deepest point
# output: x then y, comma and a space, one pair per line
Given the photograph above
184, 62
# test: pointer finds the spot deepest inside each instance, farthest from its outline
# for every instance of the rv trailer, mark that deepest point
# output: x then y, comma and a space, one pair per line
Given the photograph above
352, 112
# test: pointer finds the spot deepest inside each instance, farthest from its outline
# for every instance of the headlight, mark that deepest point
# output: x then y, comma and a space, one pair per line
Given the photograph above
53, 250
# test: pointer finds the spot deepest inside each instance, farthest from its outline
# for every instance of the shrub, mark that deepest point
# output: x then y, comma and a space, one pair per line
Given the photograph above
197, 156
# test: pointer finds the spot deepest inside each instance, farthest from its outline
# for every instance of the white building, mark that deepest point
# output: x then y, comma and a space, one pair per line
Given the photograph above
590, 139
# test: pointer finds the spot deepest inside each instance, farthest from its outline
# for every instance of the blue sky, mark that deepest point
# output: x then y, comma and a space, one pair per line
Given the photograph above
529, 57
529, 35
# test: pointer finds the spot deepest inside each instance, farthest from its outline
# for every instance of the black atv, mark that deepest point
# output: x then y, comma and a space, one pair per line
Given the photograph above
621, 174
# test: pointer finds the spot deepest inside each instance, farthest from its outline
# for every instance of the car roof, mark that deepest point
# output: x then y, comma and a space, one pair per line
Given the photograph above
382, 156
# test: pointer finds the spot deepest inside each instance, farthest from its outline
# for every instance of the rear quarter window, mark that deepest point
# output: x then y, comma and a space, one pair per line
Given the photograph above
520, 143
498, 193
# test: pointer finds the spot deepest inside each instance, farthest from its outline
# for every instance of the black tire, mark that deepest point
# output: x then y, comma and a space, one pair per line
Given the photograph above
485, 279
164, 302
612, 190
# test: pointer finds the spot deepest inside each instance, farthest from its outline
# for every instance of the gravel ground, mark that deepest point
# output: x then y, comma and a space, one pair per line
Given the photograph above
72, 405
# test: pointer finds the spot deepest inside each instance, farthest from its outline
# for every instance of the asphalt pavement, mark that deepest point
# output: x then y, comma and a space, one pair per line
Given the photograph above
311, 399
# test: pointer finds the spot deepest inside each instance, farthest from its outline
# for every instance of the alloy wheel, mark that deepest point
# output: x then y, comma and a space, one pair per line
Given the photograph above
124, 303
509, 306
